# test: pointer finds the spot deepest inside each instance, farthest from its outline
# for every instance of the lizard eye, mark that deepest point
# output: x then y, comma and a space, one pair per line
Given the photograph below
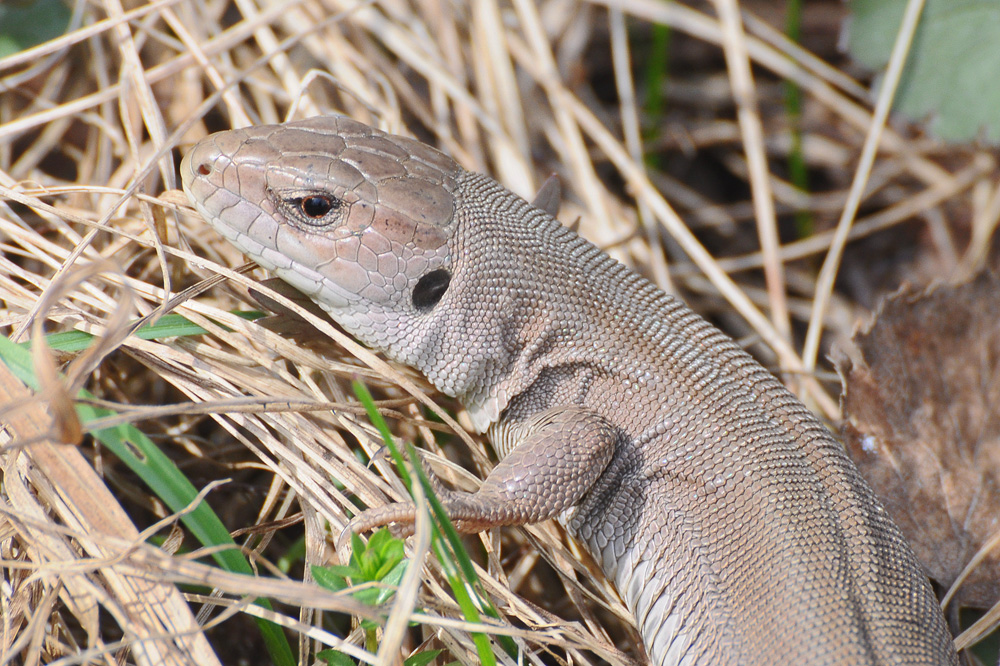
310, 209
430, 288
316, 206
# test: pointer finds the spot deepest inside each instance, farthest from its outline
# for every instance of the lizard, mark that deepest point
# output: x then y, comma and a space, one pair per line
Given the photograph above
730, 520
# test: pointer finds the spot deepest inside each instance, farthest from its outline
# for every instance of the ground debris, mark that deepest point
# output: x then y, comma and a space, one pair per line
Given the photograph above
920, 403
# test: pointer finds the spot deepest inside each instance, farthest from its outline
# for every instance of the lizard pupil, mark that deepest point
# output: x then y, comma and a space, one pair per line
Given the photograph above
430, 288
316, 206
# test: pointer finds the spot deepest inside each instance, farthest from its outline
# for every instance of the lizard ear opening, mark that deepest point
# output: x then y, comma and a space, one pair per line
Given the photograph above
430, 289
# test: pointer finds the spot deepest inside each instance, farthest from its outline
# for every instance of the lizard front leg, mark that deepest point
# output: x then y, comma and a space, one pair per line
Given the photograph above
553, 460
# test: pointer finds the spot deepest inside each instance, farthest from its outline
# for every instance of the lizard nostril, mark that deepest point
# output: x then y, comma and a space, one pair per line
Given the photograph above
204, 169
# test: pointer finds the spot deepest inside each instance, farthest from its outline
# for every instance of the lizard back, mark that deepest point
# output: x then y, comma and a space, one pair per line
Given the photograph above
730, 520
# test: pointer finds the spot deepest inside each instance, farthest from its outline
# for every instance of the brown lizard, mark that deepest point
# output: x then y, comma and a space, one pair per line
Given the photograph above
732, 523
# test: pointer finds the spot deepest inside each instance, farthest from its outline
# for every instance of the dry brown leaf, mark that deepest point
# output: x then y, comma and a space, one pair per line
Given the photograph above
921, 422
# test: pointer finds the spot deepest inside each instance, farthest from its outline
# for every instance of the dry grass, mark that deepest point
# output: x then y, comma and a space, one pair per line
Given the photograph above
93, 236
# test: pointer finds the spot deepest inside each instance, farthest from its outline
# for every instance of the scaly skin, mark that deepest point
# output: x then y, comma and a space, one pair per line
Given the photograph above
732, 523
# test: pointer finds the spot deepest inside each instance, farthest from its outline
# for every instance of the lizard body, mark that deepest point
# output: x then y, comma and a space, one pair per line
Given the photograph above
732, 523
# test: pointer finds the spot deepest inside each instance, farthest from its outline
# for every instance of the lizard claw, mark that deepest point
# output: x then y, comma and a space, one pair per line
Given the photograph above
381, 453
399, 516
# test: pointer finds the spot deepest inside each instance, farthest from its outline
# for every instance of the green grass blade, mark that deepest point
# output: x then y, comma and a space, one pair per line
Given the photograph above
798, 170
167, 326
446, 542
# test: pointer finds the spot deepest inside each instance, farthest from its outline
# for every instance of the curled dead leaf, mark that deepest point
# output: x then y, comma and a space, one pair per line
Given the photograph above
921, 405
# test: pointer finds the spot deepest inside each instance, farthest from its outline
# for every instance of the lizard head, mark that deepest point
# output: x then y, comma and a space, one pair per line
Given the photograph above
358, 220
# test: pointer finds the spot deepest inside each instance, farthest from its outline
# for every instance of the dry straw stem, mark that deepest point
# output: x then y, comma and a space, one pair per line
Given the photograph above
91, 126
